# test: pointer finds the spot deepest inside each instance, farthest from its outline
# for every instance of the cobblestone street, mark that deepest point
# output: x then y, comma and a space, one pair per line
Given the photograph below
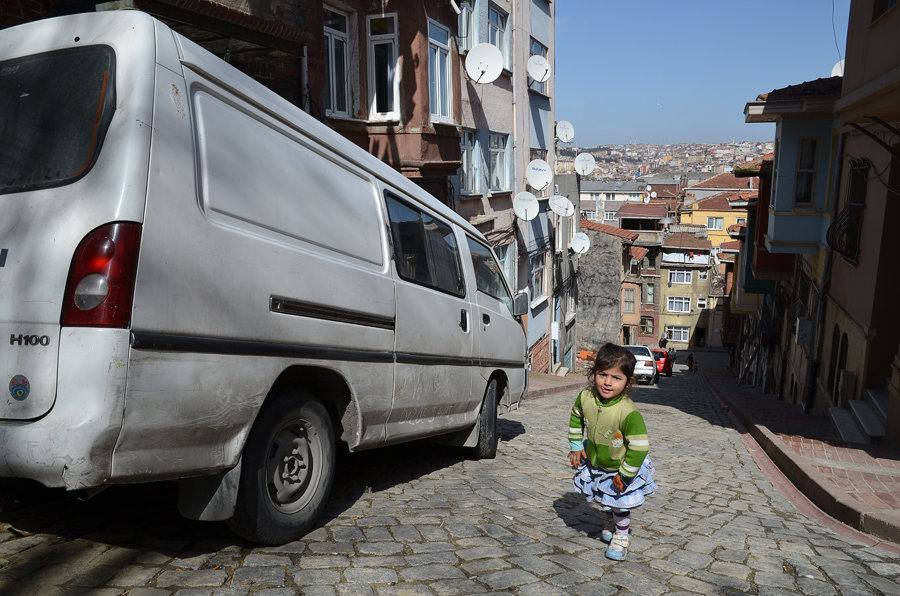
422, 519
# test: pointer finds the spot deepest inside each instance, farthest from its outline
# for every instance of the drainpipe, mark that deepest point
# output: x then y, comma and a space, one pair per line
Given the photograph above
304, 82
812, 367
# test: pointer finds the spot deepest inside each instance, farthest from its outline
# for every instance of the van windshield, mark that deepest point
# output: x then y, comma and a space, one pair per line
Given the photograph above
55, 108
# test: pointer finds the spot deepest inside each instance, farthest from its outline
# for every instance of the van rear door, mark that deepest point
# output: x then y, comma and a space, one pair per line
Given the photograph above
54, 108
68, 166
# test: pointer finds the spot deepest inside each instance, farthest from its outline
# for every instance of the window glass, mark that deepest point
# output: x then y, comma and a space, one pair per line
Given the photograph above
714, 223
679, 276
55, 109
806, 170
647, 325
679, 304
498, 177
383, 67
649, 290
336, 71
497, 31
678, 333
488, 274
465, 26
467, 178
439, 71
628, 300
425, 249
536, 265
537, 49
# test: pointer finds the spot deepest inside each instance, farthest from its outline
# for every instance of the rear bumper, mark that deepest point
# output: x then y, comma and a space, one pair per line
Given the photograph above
71, 446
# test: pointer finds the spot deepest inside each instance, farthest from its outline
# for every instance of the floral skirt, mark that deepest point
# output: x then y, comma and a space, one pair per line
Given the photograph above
597, 485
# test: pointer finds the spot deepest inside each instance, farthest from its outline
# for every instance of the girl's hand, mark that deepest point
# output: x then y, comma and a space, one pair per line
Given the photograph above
620, 483
575, 457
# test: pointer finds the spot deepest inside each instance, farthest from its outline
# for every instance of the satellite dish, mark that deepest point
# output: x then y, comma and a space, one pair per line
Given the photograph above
484, 62
565, 132
538, 68
525, 206
649, 188
585, 163
646, 199
653, 195
838, 69
538, 174
580, 243
560, 205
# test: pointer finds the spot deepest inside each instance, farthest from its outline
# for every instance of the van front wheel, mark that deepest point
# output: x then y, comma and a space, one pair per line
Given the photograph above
486, 448
287, 471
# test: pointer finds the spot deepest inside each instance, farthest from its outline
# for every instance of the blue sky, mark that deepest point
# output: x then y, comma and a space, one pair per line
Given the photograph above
655, 71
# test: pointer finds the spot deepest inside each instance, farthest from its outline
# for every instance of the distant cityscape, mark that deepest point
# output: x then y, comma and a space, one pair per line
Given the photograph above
626, 162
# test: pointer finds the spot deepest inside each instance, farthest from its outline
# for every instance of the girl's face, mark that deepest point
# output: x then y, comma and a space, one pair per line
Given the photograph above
611, 382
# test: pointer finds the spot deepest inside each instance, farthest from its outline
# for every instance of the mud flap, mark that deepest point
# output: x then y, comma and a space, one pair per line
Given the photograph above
209, 498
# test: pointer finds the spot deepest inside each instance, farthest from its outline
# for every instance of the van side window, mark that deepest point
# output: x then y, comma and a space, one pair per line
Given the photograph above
55, 109
488, 274
425, 249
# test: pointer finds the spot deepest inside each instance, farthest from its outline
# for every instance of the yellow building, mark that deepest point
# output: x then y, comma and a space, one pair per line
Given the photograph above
717, 213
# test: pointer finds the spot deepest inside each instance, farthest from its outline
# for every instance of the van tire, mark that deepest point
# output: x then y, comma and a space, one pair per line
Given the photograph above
293, 436
486, 448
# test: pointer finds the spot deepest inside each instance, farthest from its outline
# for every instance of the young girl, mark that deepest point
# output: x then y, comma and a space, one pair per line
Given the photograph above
609, 445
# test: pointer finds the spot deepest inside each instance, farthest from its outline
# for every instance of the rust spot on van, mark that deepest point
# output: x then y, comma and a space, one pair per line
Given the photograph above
176, 99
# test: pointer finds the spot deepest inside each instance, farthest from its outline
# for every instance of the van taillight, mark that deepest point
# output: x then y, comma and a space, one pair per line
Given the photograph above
100, 287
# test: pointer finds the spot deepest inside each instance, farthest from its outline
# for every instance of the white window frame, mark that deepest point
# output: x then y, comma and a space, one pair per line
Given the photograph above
685, 275
701, 302
715, 223
537, 278
610, 215
498, 31
678, 333
679, 304
497, 156
537, 48
589, 215
740, 220
649, 293
468, 174
378, 40
703, 275
335, 79
440, 74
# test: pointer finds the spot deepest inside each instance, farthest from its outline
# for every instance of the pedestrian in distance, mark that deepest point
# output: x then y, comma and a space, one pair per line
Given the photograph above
609, 445
690, 362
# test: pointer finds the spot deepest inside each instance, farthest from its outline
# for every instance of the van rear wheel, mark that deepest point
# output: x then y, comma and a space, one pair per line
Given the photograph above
486, 448
287, 471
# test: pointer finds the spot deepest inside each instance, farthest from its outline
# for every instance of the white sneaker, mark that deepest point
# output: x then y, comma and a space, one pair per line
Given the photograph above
618, 547
606, 535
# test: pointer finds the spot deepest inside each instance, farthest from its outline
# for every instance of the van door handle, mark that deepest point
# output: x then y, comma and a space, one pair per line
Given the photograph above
486, 318
464, 319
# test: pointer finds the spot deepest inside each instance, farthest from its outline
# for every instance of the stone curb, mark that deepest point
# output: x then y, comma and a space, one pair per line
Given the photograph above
879, 523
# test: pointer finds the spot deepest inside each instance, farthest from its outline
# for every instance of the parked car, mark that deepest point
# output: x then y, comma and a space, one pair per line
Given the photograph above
664, 362
645, 367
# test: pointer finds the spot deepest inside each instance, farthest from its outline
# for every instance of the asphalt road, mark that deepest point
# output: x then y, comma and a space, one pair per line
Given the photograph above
422, 519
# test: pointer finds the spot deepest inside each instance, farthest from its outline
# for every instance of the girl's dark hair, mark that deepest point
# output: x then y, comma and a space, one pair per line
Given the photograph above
610, 355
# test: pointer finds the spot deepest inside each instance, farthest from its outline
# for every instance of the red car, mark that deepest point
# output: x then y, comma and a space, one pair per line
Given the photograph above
664, 362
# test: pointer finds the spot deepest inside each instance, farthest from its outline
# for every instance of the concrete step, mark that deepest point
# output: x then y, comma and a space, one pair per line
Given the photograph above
562, 371
879, 399
846, 426
868, 418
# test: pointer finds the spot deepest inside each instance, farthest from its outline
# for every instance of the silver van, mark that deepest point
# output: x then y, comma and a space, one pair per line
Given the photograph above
200, 282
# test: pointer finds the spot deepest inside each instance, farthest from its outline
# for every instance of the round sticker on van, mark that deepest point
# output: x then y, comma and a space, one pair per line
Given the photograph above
19, 387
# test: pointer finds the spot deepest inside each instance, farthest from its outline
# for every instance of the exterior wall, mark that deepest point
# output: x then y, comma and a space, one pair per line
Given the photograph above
631, 322
15, 12
716, 237
699, 320
599, 310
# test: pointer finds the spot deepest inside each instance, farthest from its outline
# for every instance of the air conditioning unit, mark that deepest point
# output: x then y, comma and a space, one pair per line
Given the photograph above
803, 332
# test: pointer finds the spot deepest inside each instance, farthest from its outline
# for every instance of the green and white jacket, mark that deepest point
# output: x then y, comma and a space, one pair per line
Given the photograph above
613, 434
